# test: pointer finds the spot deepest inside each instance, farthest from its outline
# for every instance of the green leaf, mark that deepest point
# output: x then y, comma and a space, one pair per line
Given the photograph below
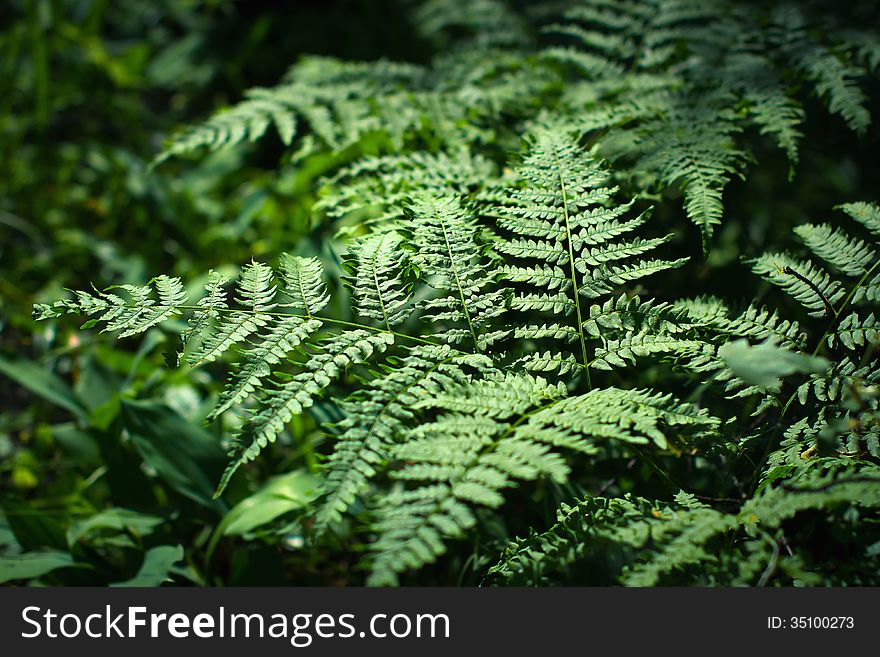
41, 381
33, 564
157, 563
115, 519
288, 492
187, 457
764, 364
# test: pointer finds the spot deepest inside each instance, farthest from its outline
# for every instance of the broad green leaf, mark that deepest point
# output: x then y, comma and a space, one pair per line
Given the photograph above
187, 457
41, 381
33, 564
158, 561
116, 519
764, 364
288, 492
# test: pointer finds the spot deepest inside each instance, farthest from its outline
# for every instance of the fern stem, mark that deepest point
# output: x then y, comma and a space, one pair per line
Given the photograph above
328, 320
467, 315
570, 244
379, 288
855, 288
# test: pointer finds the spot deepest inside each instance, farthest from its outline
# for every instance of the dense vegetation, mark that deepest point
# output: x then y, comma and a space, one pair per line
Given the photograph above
485, 293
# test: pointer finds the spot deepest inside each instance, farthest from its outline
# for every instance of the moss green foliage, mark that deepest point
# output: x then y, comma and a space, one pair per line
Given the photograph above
554, 313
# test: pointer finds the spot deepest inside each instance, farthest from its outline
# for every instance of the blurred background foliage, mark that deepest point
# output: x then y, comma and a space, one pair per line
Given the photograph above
106, 471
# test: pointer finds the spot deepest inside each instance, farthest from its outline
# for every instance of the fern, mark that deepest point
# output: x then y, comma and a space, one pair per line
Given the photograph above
827, 462
664, 83
659, 542
449, 252
493, 290
566, 232
280, 403
493, 432
377, 415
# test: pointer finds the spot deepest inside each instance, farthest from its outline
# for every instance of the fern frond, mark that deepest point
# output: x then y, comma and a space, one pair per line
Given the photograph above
135, 313
449, 256
304, 283
566, 231
657, 541
835, 80
378, 278
333, 98
537, 559
282, 338
486, 22
495, 431
376, 189
868, 214
286, 399
624, 351
256, 294
804, 281
377, 416
849, 255
460, 460
853, 331
692, 146
842, 375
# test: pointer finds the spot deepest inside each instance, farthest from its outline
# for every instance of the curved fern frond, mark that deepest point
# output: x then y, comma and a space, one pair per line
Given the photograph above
377, 417
494, 432
849, 255
278, 404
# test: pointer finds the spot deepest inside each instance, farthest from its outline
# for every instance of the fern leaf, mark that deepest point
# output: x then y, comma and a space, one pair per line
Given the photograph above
867, 214
304, 284
280, 403
285, 336
378, 278
849, 255
449, 257
377, 416
809, 285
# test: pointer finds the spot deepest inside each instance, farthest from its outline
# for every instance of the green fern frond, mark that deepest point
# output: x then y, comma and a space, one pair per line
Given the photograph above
282, 338
692, 146
278, 404
304, 283
804, 281
332, 97
376, 189
868, 214
377, 417
565, 239
854, 332
378, 278
495, 431
835, 80
449, 257
849, 255
256, 291
135, 313
657, 541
